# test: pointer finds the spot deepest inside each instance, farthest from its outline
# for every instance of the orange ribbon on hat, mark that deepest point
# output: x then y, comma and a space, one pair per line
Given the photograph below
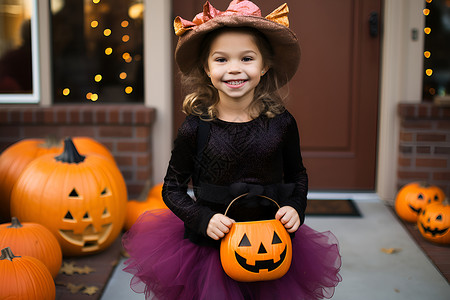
236, 7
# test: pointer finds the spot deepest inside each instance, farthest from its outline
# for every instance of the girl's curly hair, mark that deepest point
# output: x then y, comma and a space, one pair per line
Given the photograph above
202, 97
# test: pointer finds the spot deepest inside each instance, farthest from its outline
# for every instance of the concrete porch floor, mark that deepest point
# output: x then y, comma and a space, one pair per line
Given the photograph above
368, 273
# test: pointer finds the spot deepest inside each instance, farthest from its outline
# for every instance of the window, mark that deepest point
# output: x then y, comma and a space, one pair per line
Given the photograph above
97, 48
437, 48
18, 52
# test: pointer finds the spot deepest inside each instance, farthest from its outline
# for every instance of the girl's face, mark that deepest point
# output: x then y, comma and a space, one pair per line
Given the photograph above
235, 66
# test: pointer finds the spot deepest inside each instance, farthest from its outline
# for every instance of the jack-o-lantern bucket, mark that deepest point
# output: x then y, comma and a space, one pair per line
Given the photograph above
256, 250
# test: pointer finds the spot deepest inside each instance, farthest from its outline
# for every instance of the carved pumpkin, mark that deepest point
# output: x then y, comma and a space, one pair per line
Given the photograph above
15, 158
80, 199
32, 239
24, 277
414, 197
256, 250
434, 223
149, 199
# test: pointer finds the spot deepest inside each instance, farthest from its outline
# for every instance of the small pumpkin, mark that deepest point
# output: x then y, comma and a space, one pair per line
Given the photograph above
434, 223
15, 158
414, 197
256, 250
32, 239
24, 277
149, 199
80, 199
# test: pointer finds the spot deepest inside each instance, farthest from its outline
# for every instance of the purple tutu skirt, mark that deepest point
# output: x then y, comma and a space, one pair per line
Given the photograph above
167, 266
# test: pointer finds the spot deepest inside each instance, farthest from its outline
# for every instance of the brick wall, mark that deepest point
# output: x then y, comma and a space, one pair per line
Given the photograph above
124, 129
424, 147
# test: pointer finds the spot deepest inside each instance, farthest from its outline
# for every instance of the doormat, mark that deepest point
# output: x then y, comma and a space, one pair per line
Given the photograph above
332, 208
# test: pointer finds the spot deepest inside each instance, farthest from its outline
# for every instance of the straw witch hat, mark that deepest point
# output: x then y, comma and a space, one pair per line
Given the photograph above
240, 13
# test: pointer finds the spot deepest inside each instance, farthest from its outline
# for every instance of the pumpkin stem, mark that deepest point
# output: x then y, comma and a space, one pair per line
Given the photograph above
7, 254
70, 154
15, 223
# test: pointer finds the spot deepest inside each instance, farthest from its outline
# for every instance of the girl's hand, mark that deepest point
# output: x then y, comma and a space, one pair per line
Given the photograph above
218, 226
289, 217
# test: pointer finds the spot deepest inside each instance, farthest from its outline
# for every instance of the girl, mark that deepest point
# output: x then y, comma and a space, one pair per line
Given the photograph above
237, 139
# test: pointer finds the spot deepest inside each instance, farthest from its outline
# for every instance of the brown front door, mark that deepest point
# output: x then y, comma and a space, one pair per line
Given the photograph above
334, 96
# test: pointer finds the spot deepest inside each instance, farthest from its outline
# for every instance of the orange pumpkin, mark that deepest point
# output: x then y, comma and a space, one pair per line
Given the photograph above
434, 223
414, 197
32, 239
149, 199
256, 250
24, 277
80, 199
17, 156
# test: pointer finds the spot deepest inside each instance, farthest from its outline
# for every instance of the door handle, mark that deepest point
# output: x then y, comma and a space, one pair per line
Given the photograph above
373, 24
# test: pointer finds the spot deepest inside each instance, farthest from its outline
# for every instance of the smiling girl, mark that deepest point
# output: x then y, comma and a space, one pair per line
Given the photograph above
237, 139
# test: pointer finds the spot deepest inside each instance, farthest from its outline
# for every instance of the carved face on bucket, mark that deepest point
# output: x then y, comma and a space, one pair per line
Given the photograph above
255, 251
434, 223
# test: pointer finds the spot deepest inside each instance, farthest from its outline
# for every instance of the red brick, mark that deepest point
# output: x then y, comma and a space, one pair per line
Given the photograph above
100, 117
127, 117
413, 124
3, 116
116, 131
49, 116
127, 175
423, 149
124, 160
132, 147
9, 131
406, 110
87, 116
445, 112
27, 116
443, 124
113, 117
406, 149
143, 160
61, 116
40, 131
404, 162
423, 112
406, 136
431, 162
442, 150
430, 137
73, 131
74, 117
442, 176
143, 175
412, 175
134, 189
142, 131
15, 116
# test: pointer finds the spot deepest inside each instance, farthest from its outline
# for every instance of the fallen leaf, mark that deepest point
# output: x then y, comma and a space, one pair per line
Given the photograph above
390, 250
90, 290
85, 270
68, 268
74, 288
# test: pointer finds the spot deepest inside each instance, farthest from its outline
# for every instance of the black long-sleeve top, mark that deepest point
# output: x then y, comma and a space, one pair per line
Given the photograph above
262, 152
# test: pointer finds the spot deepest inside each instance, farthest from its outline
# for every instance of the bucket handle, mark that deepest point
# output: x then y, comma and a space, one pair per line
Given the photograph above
243, 195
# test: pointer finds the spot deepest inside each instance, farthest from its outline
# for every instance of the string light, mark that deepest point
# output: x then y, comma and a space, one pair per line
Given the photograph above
123, 75
94, 97
128, 90
427, 54
66, 92
108, 51
427, 30
429, 72
94, 24
124, 23
426, 11
125, 38
89, 96
95, 1
98, 78
107, 32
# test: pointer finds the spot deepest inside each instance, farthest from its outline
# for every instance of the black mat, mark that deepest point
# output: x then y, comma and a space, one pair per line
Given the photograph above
332, 208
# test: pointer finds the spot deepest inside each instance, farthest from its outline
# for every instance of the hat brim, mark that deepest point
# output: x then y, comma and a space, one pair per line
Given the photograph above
284, 43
